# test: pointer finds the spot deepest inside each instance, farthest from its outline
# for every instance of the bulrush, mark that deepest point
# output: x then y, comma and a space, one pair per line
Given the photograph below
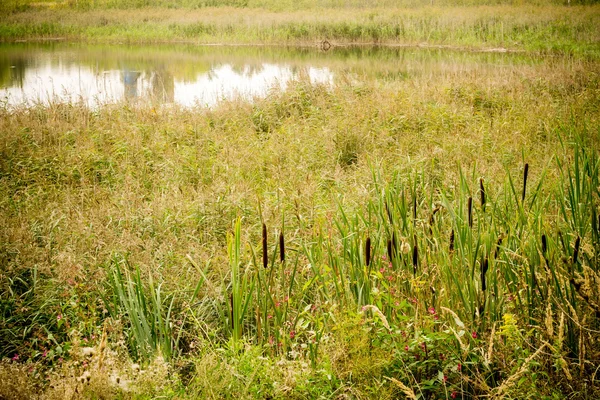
482, 193
525, 173
368, 251
281, 247
470, 211
264, 246
544, 245
389, 250
415, 257
498, 244
451, 245
484, 269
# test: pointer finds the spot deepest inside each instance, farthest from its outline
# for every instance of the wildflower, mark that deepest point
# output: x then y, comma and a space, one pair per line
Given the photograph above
431, 310
474, 335
59, 317
292, 334
15, 357
269, 316
45, 353
453, 394
382, 270
459, 367
406, 348
445, 378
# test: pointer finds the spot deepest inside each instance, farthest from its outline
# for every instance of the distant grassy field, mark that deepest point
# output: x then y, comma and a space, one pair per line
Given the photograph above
540, 28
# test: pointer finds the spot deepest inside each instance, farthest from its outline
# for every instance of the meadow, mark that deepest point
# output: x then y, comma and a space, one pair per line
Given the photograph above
429, 236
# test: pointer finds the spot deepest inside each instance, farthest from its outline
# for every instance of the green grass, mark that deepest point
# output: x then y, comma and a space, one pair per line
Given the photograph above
138, 231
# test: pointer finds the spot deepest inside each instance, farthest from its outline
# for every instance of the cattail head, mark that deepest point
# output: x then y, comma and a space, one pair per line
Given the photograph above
264, 246
544, 244
451, 245
470, 211
368, 251
281, 247
482, 193
390, 250
415, 255
484, 268
576, 250
498, 244
525, 173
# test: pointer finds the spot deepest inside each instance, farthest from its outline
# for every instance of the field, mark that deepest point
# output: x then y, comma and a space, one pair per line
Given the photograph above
431, 236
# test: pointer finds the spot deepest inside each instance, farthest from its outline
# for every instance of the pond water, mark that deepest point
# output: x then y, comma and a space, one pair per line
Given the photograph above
190, 75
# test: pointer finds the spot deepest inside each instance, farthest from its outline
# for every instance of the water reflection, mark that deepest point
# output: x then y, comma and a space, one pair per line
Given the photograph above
64, 76
192, 75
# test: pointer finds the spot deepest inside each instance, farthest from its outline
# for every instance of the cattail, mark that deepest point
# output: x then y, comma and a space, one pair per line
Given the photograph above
470, 211
482, 193
484, 268
281, 247
576, 251
525, 173
451, 245
415, 258
264, 246
544, 244
368, 250
415, 208
389, 250
394, 244
432, 218
389, 213
498, 244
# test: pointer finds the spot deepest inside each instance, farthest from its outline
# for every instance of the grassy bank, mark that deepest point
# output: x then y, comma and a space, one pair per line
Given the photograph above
539, 28
419, 258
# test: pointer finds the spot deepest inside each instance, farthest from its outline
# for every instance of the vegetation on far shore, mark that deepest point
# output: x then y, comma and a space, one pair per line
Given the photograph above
433, 235
546, 27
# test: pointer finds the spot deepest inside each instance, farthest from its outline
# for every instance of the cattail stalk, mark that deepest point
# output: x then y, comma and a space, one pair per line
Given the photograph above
264, 246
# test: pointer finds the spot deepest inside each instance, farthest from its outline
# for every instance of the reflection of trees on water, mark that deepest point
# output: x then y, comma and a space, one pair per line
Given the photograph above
158, 84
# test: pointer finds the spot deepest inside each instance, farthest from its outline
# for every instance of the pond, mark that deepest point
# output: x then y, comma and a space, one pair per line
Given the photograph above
188, 75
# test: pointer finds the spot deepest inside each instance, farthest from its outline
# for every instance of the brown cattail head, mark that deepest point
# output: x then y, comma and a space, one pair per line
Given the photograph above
484, 268
525, 173
470, 211
415, 255
451, 245
498, 244
415, 208
390, 250
281, 247
576, 251
482, 193
264, 246
389, 213
368, 251
544, 244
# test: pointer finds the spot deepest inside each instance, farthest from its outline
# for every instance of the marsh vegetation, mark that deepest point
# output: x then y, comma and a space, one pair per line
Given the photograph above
425, 230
